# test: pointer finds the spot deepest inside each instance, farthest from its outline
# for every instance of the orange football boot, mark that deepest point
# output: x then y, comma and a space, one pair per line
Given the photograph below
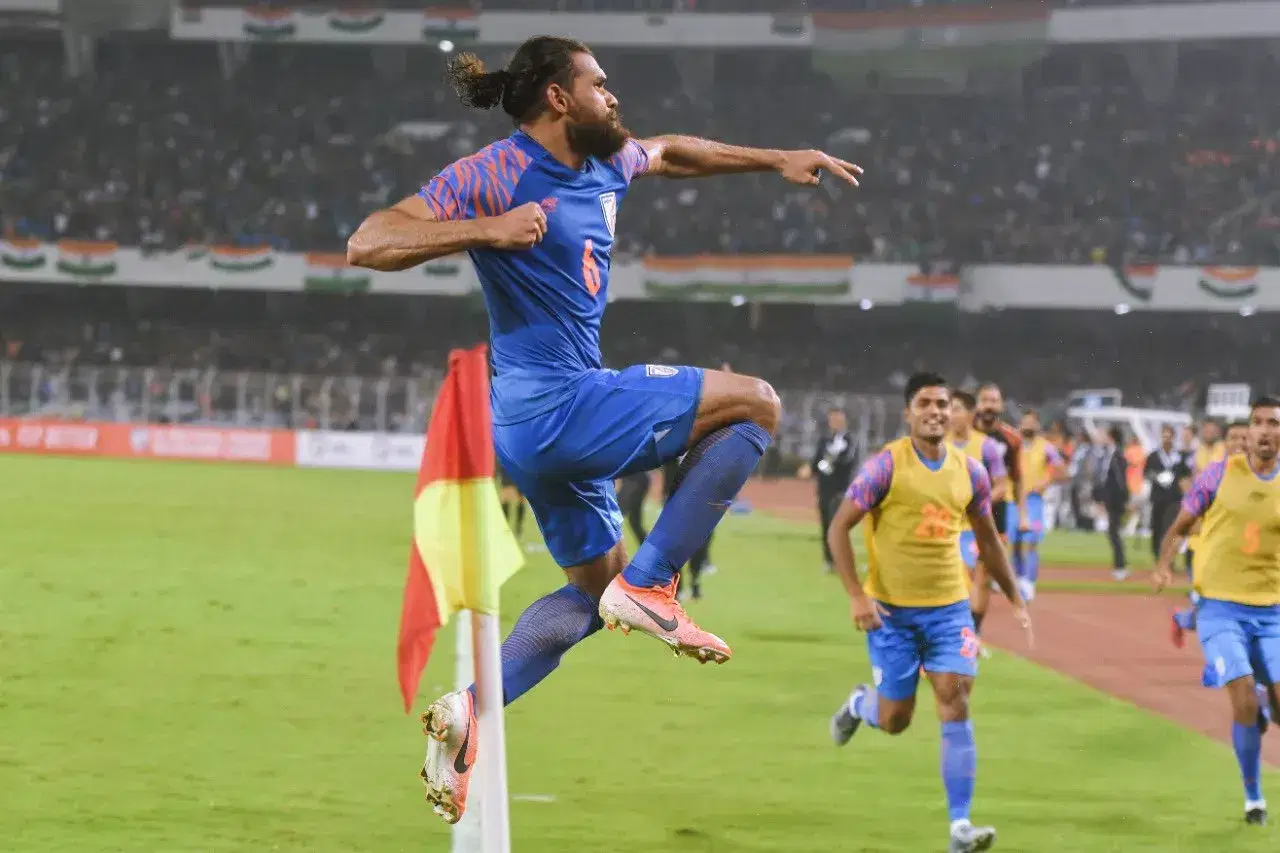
656, 612
452, 731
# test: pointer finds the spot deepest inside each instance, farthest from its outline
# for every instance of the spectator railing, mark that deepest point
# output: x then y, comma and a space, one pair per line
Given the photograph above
389, 404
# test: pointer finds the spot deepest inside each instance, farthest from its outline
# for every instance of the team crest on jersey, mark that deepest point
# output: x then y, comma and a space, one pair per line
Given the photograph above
609, 204
659, 371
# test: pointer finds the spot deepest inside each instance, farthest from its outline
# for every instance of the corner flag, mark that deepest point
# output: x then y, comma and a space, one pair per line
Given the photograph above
462, 549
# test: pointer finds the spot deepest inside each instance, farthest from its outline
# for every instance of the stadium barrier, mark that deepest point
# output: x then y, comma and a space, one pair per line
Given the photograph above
369, 451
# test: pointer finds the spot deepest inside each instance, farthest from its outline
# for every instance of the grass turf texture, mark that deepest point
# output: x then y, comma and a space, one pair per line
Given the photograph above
201, 658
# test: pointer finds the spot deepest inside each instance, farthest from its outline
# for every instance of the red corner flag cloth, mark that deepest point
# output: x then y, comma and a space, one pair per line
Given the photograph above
462, 549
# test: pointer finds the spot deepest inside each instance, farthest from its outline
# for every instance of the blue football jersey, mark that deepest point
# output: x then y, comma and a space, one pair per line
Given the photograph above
544, 303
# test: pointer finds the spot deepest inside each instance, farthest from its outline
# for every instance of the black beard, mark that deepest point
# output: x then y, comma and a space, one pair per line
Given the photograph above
599, 139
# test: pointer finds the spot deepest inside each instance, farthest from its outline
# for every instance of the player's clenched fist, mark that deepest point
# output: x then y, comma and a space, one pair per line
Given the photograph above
518, 228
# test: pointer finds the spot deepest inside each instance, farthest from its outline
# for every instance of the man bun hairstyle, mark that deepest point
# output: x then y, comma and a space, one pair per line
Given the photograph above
519, 88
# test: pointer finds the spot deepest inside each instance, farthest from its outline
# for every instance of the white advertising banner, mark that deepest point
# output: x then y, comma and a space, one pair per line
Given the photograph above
759, 278
221, 268
366, 451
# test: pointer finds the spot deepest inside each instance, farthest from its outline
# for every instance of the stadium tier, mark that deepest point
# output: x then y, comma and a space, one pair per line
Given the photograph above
1079, 156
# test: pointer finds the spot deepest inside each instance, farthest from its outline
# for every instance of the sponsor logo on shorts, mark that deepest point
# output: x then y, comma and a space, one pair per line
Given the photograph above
877, 675
659, 371
969, 643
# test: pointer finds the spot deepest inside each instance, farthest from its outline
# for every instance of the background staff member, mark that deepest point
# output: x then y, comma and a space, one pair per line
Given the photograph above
1111, 489
834, 460
1165, 470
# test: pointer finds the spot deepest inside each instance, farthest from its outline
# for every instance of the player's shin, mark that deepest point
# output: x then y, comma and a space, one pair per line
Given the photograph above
710, 476
959, 765
1247, 741
546, 630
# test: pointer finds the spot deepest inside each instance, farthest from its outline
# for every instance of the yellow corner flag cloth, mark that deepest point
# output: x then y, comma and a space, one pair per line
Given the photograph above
462, 551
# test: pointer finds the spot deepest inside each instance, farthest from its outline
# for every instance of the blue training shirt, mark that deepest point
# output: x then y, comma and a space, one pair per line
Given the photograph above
544, 303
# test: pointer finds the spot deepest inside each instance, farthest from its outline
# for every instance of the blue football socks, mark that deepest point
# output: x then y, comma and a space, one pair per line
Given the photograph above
1019, 562
866, 707
710, 476
1031, 563
1247, 741
546, 630
959, 767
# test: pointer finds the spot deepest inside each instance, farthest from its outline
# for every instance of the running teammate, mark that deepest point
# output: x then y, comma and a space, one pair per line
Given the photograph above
536, 212
1237, 574
1010, 513
1041, 466
980, 448
914, 605
1185, 620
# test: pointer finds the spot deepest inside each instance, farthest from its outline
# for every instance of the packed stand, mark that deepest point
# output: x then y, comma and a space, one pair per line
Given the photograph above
298, 145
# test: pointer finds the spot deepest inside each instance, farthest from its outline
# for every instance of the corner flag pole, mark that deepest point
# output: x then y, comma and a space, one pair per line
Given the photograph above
462, 553
486, 825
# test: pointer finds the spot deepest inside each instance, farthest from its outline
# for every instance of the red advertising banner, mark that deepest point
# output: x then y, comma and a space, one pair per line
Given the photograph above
145, 441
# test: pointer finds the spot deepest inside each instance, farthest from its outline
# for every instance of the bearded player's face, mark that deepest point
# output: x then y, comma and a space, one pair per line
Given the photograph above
990, 407
594, 127
1264, 433
929, 414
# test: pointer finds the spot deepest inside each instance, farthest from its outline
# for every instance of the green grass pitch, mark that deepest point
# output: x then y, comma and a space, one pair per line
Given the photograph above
197, 659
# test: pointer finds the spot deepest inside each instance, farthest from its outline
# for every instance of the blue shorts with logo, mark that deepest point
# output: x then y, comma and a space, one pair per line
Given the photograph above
969, 549
939, 639
1238, 640
564, 460
1035, 519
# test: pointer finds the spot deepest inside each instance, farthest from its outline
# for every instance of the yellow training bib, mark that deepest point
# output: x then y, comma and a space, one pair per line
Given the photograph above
913, 535
1238, 555
1033, 462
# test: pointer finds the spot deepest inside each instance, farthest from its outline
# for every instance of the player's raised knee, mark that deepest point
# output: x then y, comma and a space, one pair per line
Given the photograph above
766, 407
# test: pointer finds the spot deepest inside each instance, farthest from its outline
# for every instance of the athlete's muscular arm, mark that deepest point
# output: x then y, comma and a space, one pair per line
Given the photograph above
1169, 547
409, 233
992, 554
990, 549
1000, 488
1198, 498
691, 157
865, 493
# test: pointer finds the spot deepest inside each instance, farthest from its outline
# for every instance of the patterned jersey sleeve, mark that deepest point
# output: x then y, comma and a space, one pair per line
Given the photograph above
872, 483
1013, 458
480, 185
1051, 455
993, 459
980, 503
632, 161
1204, 488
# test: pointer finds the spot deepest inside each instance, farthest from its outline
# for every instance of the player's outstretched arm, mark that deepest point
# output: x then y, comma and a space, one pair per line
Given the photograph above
691, 157
408, 234
1196, 503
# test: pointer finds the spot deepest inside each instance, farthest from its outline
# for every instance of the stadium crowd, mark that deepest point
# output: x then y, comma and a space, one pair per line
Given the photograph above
160, 149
